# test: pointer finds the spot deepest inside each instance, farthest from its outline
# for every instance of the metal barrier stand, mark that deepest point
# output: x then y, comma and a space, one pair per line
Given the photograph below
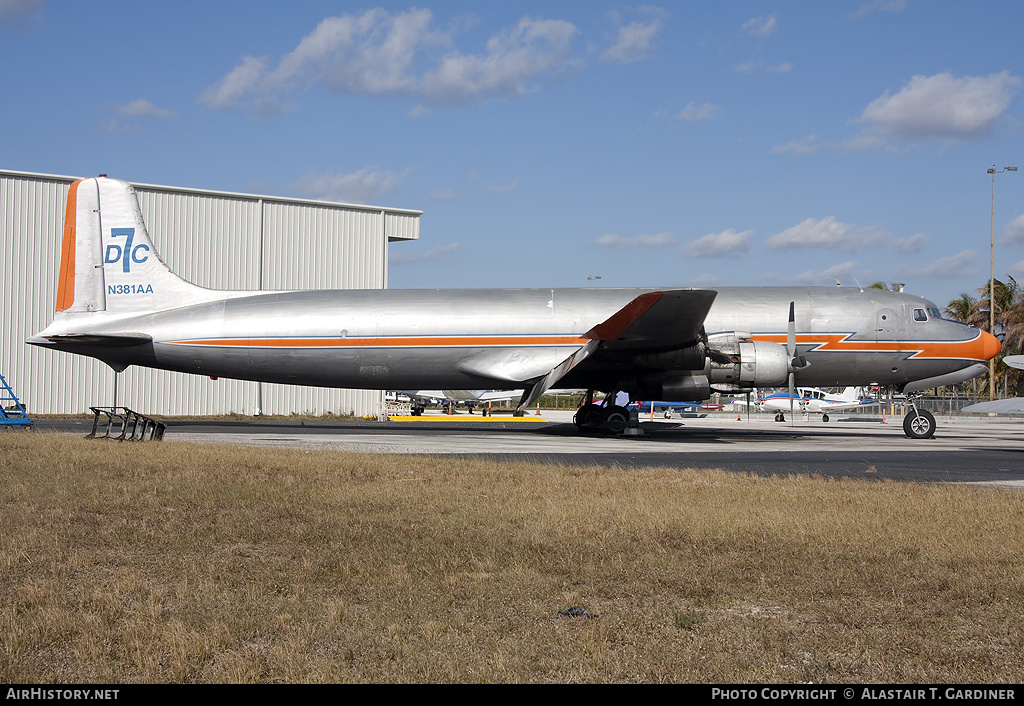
133, 426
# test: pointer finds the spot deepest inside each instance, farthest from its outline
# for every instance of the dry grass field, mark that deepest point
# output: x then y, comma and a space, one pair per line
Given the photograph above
170, 562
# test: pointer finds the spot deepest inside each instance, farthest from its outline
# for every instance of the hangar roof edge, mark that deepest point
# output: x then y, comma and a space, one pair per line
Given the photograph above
228, 194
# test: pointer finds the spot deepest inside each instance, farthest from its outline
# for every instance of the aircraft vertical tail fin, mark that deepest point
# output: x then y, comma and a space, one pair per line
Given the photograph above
108, 262
849, 394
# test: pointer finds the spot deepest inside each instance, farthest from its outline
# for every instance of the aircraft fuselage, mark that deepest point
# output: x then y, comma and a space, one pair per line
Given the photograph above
458, 339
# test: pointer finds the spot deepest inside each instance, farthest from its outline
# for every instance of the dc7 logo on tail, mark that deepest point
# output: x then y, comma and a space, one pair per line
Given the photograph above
126, 254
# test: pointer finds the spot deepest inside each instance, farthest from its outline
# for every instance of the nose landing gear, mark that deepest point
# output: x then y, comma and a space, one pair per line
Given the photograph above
919, 423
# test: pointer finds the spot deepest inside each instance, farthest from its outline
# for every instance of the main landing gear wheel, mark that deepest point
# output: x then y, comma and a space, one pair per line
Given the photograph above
919, 424
612, 420
780, 417
824, 417
615, 420
588, 416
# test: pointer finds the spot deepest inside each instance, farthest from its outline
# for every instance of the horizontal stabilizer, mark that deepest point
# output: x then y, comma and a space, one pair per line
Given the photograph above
656, 320
95, 339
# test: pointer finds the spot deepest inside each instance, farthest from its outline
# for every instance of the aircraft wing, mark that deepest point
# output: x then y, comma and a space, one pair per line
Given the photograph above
844, 406
659, 320
656, 320
480, 395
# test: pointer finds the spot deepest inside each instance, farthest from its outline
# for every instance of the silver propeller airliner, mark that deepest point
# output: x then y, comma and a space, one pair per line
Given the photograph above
117, 301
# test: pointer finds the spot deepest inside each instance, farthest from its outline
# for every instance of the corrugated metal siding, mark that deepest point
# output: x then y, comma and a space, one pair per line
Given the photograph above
214, 239
312, 247
211, 241
401, 226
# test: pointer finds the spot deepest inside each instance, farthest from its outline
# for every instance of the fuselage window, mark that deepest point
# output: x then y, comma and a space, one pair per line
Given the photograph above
920, 315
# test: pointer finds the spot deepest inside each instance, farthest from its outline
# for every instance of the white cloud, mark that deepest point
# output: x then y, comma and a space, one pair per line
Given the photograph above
693, 113
755, 65
825, 233
837, 272
634, 40
443, 194
441, 252
504, 188
230, 90
401, 54
142, 108
531, 50
864, 142
914, 243
1014, 232
705, 280
637, 241
728, 243
358, 187
808, 145
957, 265
943, 106
759, 26
952, 266
127, 117
14, 11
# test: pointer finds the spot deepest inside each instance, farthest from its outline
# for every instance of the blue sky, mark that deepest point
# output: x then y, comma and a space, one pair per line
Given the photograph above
671, 144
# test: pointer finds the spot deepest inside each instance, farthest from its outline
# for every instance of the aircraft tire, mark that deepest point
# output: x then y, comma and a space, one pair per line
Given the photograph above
824, 417
588, 416
616, 420
919, 425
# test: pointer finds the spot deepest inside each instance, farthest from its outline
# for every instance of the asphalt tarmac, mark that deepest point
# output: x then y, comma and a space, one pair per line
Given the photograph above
964, 450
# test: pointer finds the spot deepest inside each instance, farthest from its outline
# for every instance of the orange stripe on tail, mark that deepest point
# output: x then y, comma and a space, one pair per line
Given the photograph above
66, 276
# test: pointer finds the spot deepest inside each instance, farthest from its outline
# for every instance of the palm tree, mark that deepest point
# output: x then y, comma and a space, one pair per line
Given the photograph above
1007, 306
888, 286
964, 308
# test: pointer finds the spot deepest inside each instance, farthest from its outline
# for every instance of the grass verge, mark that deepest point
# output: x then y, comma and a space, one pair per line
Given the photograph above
171, 562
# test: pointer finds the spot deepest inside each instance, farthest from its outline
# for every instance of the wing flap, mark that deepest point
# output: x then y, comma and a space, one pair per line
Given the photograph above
534, 391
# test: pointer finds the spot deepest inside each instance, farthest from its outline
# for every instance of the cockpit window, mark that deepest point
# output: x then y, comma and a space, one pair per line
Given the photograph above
934, 313
920, 315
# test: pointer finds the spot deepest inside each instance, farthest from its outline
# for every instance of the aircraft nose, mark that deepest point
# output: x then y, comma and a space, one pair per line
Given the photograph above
988, 345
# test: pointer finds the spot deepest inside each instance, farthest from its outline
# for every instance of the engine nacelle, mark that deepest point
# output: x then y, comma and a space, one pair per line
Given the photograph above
735, 364
672, 386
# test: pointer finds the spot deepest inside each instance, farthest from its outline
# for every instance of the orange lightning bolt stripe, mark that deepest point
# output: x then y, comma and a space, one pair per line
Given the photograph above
981, 347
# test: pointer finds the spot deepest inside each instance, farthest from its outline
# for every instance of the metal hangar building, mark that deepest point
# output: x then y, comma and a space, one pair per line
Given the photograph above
214, 239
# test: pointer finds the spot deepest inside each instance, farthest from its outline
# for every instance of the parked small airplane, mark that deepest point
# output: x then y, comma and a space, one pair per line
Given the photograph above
692, 408
453, 398
117, 301
815, 401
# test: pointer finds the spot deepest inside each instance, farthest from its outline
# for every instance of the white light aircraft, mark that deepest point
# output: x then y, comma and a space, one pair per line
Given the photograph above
468, 398
814, 401
117, 301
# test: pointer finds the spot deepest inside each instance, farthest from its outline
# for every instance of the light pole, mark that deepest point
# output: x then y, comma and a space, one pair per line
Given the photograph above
992, 280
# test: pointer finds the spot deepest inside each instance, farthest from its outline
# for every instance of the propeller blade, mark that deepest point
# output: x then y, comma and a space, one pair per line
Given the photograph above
791, 352
791, 398
791, 332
